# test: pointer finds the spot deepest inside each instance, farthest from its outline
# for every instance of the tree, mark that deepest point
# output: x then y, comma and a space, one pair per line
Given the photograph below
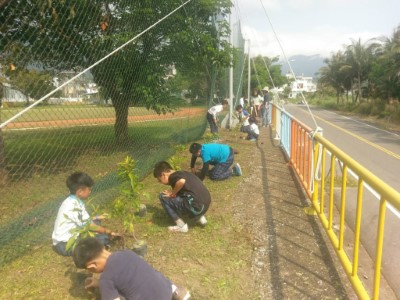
385, 72
32, 83
265, 72
359, 58
72, 34
333, 73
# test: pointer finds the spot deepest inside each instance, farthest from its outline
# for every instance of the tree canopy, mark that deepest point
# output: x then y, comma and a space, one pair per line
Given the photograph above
370, 69
74, 34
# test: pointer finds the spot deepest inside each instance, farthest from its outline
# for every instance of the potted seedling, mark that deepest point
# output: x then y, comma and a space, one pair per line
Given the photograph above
127, 206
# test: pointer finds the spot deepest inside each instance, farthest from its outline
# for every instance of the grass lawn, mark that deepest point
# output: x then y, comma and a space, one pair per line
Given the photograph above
39, 162
213, 262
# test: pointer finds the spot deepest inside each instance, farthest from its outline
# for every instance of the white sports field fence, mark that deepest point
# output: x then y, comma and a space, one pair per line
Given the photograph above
83, 84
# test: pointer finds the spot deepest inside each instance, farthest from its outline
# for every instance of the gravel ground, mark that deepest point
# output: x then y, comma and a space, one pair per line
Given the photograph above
291, 257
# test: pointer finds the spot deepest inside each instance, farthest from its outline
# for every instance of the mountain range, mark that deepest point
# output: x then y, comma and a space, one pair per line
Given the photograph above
305, 65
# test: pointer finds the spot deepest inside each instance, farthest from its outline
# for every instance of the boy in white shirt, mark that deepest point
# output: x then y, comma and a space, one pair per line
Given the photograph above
212, 115
254, 132
72, 214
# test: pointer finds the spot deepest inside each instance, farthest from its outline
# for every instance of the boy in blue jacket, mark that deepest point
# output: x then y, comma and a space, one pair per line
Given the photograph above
218, 155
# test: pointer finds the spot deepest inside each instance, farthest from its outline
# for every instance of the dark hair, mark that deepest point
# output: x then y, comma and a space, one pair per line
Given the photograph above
78, 180
225, 102
86, 250
252, 120
160, 167
238, 107
194, 148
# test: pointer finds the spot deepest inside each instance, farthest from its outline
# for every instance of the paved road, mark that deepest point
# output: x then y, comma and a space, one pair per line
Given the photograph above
379, 151
376, 149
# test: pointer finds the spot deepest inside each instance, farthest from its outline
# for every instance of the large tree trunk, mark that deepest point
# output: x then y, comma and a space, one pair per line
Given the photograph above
352, 91
121, 107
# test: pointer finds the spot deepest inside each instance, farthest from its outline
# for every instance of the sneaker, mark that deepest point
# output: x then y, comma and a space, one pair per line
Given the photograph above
252, 140
177, 228
237, 170
180, 294
202, 221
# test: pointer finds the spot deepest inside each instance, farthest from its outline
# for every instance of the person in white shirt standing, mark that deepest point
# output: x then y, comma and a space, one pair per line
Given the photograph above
72, 214
256, 101
212, 115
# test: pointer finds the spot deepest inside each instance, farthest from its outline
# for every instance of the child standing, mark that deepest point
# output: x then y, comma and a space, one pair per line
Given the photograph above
188, 195
124, 274
212, 115
265, 108
254, 132
72, 214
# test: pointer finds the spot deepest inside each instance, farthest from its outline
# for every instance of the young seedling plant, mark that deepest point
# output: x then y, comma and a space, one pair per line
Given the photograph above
83, 228
128, 204
176, 159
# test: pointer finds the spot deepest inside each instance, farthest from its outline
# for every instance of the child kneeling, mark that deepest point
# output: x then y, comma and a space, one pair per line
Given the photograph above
253, 132
124, 274
188, 195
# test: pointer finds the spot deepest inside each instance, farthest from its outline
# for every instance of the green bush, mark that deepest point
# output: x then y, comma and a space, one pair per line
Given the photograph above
364, 108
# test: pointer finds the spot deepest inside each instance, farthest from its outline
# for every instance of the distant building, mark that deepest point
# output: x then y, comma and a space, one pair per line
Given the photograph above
12, 95
82, 89
301, 84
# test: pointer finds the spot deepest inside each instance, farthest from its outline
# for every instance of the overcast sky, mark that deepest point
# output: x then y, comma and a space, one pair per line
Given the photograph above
314, 26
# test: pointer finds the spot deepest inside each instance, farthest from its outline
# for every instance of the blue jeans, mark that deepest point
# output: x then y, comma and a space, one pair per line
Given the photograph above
177, 206
173, 206
222, 171
213, 125
265, 115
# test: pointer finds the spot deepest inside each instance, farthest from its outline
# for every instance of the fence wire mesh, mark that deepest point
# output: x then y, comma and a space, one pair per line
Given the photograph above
140, 101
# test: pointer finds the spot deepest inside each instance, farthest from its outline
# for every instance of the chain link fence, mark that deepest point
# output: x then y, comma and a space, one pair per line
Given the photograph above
83, 84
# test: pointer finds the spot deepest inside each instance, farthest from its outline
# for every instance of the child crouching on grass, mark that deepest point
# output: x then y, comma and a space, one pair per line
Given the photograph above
253, 131
124, 275
72, 215
188, 196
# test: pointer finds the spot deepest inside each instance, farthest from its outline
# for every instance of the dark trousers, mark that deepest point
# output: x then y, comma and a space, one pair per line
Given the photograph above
213, 125
252, 136
222, 171
175, 207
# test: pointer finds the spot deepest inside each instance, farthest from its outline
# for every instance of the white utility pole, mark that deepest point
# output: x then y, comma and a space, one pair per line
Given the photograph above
248, 72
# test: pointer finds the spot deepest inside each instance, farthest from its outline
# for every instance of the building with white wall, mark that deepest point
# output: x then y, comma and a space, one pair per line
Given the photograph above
301, 84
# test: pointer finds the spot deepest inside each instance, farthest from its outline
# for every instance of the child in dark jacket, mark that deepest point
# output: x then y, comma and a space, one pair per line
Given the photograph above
124, 275
188, 196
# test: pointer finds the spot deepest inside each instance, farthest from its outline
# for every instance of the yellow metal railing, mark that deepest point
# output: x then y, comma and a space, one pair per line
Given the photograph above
308, 156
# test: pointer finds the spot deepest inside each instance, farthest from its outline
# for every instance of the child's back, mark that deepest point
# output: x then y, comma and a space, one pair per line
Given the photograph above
193, 186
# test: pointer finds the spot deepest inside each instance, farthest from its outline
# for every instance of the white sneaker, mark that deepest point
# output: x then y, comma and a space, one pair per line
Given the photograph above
180, 294
237, 170
177, 228
202, 220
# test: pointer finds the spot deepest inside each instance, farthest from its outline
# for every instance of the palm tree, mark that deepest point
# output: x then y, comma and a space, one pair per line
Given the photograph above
359, 57
333, 73
385, 72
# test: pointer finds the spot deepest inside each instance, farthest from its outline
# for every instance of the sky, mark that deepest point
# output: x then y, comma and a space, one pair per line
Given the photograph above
310, 27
